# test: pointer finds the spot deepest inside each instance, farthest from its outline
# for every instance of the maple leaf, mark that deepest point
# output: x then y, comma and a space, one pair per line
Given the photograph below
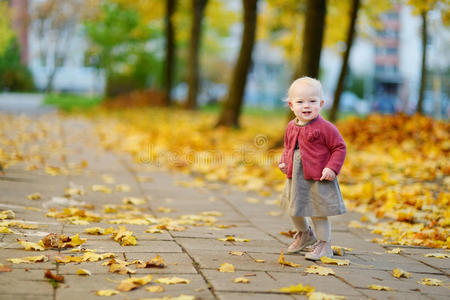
172, 280
29, 246
297, 289
399, 273
313, 269
226, 267
28, 259
241, 280
84, 272
124, 237
155, 289
120, 268
379, 287
339, 262
133, 283
323, 296
430, 281
106, 293
283, 262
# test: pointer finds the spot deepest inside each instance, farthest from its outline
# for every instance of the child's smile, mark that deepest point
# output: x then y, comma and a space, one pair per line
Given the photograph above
305, 102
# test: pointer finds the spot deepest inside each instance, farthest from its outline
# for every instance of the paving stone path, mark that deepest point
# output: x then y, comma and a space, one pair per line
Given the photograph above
195, 253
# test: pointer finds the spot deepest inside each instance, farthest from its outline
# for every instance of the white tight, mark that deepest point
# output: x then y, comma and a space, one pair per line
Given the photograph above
322, 226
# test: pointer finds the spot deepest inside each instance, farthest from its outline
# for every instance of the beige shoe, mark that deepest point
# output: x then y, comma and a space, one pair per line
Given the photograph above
301, 241
321, 248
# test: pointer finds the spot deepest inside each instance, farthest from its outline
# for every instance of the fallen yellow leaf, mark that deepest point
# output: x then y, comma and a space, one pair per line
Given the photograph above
323, 271
297, 289
339, 262
236, 253
28, 259
252, 200
99, 230
430, 281
241, 280
29, 246
101, 188
108, 178
172, 280
84, 272
4, 229
165, 209
226, 267
230, 238
123, 188
155, 289
133, 200
7, 214
258, 260
155, 262
395, 251
379, 287
323, 296
133, 283
34, 196
400, 273
124, 237
211, 213
282, 261
339, 251
106, 292
437, 255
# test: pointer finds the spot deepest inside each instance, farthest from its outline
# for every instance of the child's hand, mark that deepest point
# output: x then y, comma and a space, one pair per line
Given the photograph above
283, 167
328, 174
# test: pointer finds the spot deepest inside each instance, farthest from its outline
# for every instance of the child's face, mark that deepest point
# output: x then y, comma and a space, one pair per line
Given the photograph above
305, 102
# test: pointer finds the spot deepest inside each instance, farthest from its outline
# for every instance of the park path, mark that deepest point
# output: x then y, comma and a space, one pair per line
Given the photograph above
195, 253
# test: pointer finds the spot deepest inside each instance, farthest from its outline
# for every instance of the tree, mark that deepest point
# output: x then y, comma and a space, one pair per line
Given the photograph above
198, 8
351, 32
422, 7
229, 116
313, 34
170, 50
6, 31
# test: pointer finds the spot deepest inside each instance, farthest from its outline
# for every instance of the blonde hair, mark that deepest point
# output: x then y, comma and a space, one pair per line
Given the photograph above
305, 80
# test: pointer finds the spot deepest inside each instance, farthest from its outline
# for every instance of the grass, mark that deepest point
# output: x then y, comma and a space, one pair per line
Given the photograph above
72, 102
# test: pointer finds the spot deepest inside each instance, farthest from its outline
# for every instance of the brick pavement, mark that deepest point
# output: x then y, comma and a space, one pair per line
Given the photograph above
195, 253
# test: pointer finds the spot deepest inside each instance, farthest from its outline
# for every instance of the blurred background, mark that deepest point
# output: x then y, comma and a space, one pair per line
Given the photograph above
372, 56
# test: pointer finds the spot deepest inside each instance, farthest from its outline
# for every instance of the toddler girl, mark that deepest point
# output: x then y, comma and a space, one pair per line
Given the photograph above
314, 152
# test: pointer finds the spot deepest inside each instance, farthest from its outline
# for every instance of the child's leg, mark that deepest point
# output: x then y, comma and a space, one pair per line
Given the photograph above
300, 223
322, 228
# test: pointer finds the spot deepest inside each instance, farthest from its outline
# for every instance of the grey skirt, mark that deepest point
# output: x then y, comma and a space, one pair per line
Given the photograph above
310, 198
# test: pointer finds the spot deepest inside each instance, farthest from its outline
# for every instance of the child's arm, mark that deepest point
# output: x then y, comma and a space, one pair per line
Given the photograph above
336, 144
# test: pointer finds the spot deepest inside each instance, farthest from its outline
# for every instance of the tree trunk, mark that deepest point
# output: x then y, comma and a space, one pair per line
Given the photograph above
313, 33
170, 51
198, 7
231, 109
349, 43
424, 59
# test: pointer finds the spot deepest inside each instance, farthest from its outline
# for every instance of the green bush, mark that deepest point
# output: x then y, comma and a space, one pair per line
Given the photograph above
13, 75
